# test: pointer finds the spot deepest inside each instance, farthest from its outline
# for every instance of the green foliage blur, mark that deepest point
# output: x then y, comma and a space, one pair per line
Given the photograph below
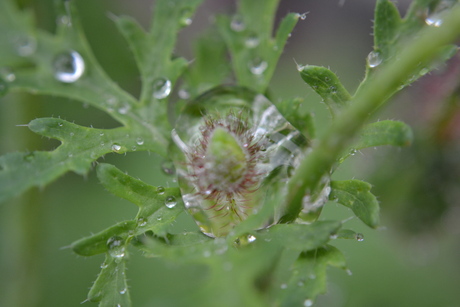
411, 261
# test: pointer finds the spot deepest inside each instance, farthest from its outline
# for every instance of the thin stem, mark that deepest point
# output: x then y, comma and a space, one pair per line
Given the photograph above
367, 100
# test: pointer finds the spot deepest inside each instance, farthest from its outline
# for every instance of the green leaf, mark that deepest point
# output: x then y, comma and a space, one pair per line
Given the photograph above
386, 132
355, 194
80, 147
249, 39
381, 133
326, 84
111, 288
97, 243
308, 278
386, 25
158, 206
300, 237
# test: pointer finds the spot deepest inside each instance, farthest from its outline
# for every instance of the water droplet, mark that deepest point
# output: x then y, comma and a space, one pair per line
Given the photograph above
160, 190
168, 167
64, 20
123, 291
434, 20
359, 237
7, 74
183, 94
237, 24
124, 109
140, 141
257, 66
3, 87
186, 17
374, 59
71, 134
142, 221
252, 41
251, 238
26, 46
68, 67
116, 247
116, 148
161, 88
308, 303
303, 16
101, 134
283, 286
104, 265
349, 272
170, 202
333, 237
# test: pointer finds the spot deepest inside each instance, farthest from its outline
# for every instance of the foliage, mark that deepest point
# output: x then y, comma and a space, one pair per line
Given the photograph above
282, 265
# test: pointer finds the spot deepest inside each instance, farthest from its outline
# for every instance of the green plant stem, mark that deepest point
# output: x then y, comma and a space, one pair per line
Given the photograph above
367, 100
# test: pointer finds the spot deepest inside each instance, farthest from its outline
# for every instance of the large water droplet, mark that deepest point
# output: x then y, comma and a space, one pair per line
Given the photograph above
374, 59
308, 303
68, 67
140, 141
161, 88
237, 24
170, 202
359, 237
116, 247
223, 157
257, 66
251, 238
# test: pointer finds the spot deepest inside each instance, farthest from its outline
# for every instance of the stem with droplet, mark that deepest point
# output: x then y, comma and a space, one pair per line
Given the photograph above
369, 98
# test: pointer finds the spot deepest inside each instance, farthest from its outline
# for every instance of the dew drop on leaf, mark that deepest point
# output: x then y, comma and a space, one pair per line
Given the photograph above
359, 237
251, 238
283, 286
142, 221
252, 41
308, 303
7, 74
168, 167
68, 67
303, 16
123, 291
170, 202
186, 17
434, 20
140, 141
160, 190
161, 88
116, 147
237, 24
257, 66
26, 46
124, 109
183, 94
116, 247
374, 59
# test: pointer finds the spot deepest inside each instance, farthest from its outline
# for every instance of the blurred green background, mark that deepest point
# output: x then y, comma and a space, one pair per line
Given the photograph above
413, 260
